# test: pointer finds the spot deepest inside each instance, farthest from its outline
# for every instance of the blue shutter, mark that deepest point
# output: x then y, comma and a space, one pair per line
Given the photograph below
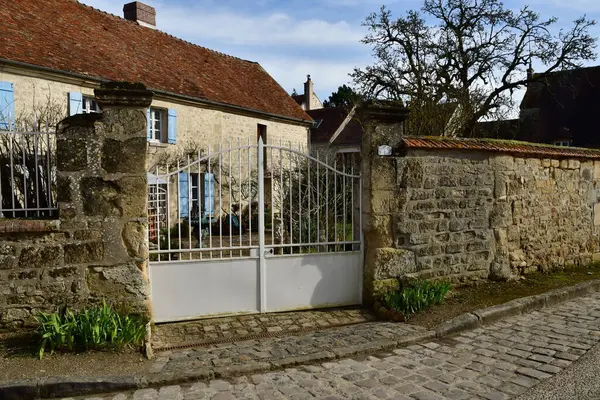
149, 135
172, 126
7, 105
75, 103
209, 194
184, 195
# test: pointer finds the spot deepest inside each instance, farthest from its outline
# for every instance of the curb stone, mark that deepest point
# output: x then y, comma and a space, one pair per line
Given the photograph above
31, 389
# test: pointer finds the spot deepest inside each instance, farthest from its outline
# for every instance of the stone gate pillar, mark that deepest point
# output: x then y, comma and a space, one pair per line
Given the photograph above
383, 126
102, 195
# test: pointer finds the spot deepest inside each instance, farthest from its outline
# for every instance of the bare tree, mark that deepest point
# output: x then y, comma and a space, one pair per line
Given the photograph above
475, 55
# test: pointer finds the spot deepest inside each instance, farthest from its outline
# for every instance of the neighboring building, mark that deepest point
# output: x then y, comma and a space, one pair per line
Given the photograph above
336, 132
309, 99
53, 53
563, 109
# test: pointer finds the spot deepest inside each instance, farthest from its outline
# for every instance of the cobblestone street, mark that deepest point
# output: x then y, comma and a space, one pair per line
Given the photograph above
495, 362
237, 327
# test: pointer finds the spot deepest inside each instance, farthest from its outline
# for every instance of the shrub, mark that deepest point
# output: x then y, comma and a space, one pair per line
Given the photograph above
94, 328
416, 297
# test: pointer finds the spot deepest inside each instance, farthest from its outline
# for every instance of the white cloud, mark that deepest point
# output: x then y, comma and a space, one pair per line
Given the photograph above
199, 24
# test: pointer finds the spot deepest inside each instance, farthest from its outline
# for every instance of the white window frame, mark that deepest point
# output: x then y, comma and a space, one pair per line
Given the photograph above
158, 135
565, 143
89, 105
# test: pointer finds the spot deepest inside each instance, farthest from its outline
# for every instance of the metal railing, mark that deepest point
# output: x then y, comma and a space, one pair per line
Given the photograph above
27, 173
231, 202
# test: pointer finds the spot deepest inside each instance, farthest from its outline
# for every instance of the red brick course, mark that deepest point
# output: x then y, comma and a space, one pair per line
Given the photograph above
19, 225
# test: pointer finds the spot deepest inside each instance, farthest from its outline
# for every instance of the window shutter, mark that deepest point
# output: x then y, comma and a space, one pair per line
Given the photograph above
7, 105
75, 103
172, 126
209, 194
184, 195
148, 135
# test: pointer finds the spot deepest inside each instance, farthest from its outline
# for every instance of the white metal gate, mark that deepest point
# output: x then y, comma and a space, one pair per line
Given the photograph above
254, 228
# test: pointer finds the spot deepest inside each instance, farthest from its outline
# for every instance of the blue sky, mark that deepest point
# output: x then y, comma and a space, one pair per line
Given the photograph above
293, 38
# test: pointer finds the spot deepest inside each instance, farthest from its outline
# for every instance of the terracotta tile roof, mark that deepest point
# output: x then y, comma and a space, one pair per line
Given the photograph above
68, 36
502, 146
298, 98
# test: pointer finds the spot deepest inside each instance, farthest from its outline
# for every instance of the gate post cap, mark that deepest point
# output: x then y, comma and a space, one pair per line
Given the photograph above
123, 95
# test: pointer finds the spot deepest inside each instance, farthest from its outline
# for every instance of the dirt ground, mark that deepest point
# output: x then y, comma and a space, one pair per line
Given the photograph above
18, 361
485, 294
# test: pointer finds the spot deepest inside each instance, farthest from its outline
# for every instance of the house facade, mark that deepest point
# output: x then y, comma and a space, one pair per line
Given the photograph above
59, 51
49, 69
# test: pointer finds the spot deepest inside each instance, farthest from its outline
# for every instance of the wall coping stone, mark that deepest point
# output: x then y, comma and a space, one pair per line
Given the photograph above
497, 145
123, 95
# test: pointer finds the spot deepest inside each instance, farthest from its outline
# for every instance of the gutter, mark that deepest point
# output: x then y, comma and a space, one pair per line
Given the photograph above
91, 80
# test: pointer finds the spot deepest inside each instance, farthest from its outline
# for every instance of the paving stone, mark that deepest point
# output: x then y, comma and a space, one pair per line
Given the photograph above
551, 369
532, 373
495, 396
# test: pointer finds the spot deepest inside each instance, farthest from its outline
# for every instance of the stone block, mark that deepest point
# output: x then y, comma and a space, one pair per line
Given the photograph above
73, 153
573, 164
133, 197
87, 234
41, 257
117, 282
393, 263
382, 286
8, 256
124, 156
63, 272
100, 197
383, 173
63, 188
596, 169
83, 253
597, 214
134, 237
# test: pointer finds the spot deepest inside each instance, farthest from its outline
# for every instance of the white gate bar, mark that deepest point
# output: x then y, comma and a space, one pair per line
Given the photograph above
261, 228
249, 196
214, 205
220, 220
201, 204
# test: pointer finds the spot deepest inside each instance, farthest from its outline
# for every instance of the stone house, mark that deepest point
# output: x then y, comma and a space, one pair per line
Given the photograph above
561, 109
309, 99
55, 53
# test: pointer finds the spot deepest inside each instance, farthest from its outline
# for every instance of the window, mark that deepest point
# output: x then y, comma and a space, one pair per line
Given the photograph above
196, 195
89, 106
561, 143
157, 125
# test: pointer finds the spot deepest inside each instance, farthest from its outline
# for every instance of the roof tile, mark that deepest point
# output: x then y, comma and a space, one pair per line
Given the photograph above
503, 146
68, 36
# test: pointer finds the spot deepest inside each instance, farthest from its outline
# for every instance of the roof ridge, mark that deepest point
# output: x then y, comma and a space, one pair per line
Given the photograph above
163, 32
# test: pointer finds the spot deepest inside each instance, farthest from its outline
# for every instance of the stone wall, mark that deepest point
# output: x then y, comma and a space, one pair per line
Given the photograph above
465, 215
97, 248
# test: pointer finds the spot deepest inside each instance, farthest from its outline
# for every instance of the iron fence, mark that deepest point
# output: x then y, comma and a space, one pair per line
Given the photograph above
27, 173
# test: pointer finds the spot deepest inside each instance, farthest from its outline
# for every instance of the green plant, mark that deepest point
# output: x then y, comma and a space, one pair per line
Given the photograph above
416, 296
92, 328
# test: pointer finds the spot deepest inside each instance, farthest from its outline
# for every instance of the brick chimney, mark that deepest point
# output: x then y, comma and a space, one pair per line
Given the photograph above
141, 13
308, 92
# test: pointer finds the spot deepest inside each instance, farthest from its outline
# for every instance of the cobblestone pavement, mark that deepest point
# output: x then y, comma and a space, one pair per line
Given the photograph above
496, 362
234, 328
281, 351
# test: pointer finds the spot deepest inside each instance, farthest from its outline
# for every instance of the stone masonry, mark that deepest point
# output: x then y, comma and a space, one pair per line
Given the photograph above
97, 248
464, 215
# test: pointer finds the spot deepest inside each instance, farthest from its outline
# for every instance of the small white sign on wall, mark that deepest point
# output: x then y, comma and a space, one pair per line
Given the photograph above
384, 150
